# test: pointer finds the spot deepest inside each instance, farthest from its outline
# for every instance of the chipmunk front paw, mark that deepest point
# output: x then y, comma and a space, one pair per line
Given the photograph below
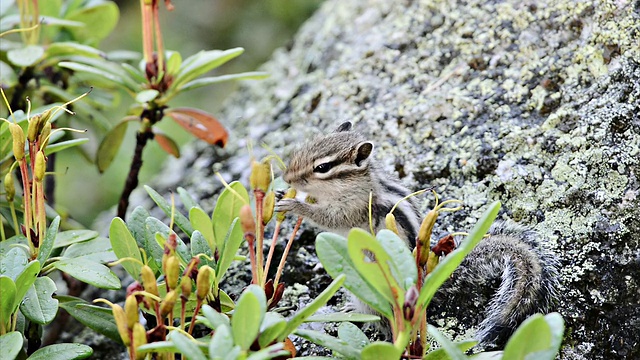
288, 205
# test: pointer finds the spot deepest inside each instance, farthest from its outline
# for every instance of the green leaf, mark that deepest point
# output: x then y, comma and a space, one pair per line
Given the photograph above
340, 317
214, 318
97, 318
98, 250
63, 145
62, 352
403, 263
124, 245
199, 246
275, 351
13, 263
187, 200
46, 246
68, 48
202, 222
136, 225
180, 220
66, 238
11, 344
145, 96
441, 353
135, 74
230, 247
8, 298
206, 81
25, 280
328, 341
157, 228
117, 79
531, 340
380, 350
378, 272
313, 306
333, 254
99, 20
39, 306
26, 56
353, 335
451, 349
90, 272
110, 145
221, 342
203, 62
272, 326
174, 60
245, 323
446, 267
8, 77
187, 346
227, 209
556, 324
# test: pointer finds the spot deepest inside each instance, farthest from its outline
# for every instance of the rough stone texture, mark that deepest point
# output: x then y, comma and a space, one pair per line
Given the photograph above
534, 103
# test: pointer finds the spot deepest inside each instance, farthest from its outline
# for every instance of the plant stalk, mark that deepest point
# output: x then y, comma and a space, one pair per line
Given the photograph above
286, 252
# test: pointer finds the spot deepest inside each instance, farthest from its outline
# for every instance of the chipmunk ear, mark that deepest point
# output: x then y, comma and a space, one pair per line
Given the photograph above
363, 151
345, 126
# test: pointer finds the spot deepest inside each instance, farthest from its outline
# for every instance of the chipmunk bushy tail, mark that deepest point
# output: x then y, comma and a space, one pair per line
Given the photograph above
520, 272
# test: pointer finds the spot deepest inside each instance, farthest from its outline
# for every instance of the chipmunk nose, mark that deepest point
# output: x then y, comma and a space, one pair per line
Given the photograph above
287, 176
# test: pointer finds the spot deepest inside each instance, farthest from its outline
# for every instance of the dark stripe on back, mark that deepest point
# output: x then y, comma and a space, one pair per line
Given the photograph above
394, 189
406, 225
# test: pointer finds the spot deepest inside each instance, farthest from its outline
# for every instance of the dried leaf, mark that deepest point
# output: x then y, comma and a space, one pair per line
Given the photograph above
200, 124
166, 143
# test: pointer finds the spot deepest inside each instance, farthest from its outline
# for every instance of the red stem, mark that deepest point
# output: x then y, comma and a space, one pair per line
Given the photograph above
286, 252
272, 248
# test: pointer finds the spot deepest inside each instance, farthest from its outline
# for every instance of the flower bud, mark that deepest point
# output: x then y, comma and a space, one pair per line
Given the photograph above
167, 304
149, 280
131, 311
44, 135
203, 282
410, 300
390, 223
9, 187
18, 140
424, 234
40, 166
33, 130
260, 175
267, 207
139, 339
186, 286
172, 271
432, 261
121, 320
246, 219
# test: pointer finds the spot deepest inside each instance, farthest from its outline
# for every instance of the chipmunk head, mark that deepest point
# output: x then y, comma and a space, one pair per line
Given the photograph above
330, 163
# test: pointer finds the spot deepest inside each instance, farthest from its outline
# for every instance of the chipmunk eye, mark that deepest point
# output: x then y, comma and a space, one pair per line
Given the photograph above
323, 168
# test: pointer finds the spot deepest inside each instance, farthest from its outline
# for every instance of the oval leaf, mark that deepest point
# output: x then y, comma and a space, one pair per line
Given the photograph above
110, 145
380, 350
187, 346
124, 245
96, 318
62, 352
66, 238
24, 281
11, 344
8, 291
39, 306
167, 144
25, 56
90, 272
145, 96
200, 124
245, 323
47, 244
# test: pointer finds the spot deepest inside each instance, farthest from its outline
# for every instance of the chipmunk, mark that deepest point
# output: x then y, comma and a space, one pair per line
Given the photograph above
339, 172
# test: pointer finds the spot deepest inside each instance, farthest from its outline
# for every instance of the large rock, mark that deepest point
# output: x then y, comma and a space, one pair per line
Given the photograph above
532, 103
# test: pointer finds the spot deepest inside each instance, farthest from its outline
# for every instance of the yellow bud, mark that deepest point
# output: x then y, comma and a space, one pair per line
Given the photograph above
172, 271
44, 135
290, 194
260, 175
131, 310
424, 234
432, 261
139, 339
149, 280
267, 207
40, 167
246, 219
9, 187
390, 223
203, 282
167, 304
121, 323
186, 286
18, 140
33, 130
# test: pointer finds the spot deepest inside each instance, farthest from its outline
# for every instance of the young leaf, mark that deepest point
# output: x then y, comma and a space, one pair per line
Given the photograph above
66, 238
404, 265
380, 350
272, 326
203, 62
231, 244
187, 346
97, 318
202, 222
110, 145
99, 20
531, 340
180, 220
136, 225
68, 48
200, 124
8, 291
174, 60
11, 344
226, 210
352, 335
25, 280
446, 267
90, 272
26, 56
49, 239
313, 306
166, 143
451, 349
328, 341
198, 83
62, 352
215, 319
135, 73
333, 254
145, 96
245, 323
221, 342
199, 246
38, 305
187, 200
160, 232
13, 263
124, 245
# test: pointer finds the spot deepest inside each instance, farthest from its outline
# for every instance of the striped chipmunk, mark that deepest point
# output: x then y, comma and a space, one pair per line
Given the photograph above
338, 170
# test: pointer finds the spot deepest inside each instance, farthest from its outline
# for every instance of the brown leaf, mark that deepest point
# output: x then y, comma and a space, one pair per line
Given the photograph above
166, 143
200, 124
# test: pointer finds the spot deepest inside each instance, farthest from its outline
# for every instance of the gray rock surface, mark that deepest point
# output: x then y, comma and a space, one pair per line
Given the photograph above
533, 103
